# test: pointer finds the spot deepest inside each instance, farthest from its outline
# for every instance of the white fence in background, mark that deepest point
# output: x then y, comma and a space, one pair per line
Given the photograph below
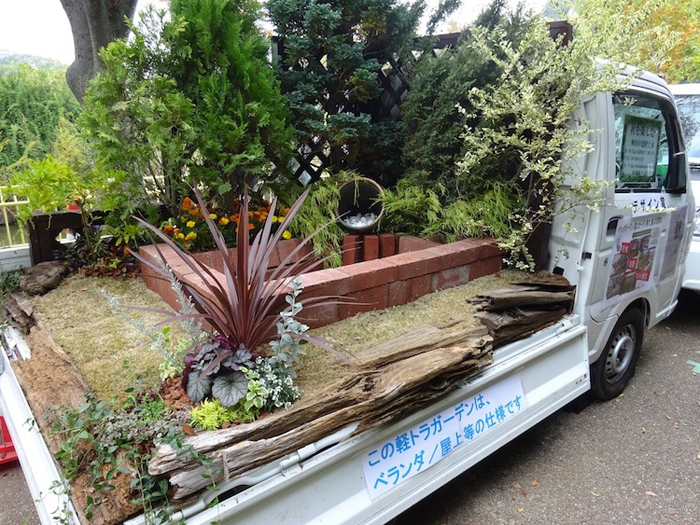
14, 240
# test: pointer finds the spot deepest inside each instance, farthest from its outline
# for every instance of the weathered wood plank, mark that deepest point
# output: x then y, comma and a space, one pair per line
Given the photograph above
515, 324
400, 388
514, 297
279, 422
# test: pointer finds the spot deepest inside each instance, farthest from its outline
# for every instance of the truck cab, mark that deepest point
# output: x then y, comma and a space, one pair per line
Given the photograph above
627, 257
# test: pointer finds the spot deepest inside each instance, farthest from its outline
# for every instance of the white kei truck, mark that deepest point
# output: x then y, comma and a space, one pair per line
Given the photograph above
627, 263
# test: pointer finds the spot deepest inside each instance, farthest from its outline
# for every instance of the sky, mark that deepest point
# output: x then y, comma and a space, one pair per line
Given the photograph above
41, 28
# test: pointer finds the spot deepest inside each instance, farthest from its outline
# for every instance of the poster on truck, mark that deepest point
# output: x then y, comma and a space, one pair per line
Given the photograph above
634, 253
674, 244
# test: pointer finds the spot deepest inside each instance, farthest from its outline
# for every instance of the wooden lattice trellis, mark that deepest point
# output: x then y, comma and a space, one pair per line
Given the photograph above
312, 161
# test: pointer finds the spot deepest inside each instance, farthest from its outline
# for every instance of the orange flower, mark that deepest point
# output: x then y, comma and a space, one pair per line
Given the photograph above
168, 228
250, 226
194, 211
187, 203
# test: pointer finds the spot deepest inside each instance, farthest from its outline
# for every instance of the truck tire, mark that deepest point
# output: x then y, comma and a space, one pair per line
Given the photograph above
617, 364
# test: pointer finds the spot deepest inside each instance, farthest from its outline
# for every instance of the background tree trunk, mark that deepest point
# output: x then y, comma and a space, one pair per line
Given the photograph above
94, 23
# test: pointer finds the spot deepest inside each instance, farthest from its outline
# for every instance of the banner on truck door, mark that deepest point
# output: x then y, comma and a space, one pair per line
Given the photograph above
634, 254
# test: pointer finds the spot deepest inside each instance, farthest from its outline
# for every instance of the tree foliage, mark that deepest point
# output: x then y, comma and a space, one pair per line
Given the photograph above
190, 100
32, 101
333, 53
433, 122
527, 115
662, 36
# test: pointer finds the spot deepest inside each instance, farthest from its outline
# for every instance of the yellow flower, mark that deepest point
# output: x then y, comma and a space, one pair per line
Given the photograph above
190, 236
213, 216
190, 224
275, 218
180, 235
223, 221
287, 234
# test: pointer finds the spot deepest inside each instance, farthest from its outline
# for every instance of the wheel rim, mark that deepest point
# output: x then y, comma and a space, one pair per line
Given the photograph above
620, 353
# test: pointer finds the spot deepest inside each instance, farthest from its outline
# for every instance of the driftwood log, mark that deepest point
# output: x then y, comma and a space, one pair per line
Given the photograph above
522, 296
522, 309
393, 378
413, 370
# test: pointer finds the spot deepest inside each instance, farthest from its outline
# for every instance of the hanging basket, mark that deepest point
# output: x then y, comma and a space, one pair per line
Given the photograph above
359, 208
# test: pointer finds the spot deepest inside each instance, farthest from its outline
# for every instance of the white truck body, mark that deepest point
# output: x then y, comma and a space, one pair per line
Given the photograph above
627, 263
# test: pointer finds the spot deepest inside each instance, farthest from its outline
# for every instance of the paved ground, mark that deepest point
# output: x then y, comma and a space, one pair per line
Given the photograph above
635, 459
16, 504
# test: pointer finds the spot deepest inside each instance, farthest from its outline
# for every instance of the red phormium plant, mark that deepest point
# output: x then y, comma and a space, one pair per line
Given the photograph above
244, 309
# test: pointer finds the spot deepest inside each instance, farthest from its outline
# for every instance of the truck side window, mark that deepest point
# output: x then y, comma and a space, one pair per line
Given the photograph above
646, 145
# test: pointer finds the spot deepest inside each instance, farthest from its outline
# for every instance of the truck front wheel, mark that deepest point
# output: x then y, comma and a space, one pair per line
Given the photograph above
616, 365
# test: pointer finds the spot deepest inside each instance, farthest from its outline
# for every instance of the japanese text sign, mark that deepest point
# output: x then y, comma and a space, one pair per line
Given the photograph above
640, 149
403, 456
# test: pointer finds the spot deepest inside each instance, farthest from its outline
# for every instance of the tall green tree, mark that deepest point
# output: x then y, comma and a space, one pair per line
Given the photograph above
189, 100
32, 102
431, 112
333, 51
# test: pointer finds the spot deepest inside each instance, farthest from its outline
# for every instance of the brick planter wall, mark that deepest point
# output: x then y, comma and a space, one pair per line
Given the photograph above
419, 268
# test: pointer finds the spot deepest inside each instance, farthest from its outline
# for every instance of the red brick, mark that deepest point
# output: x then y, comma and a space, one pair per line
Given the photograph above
319, 315
352, 249
415, 263
488, 248
364, 301
370, 247
159, 285
484, 267
450, 278
213, 258
387, 244
457, 253
420, 286
285, 248
408, 243
369, 274
331, 281
399, 293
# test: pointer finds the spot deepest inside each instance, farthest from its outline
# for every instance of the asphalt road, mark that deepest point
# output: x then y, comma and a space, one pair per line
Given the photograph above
635, 459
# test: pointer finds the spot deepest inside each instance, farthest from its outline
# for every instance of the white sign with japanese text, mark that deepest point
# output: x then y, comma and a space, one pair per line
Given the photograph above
409, 453
640, 149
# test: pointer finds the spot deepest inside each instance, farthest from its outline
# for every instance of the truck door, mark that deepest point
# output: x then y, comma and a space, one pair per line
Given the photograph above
641, 245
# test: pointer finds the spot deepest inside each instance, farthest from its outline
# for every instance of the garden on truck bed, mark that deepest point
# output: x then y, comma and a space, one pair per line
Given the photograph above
239, 263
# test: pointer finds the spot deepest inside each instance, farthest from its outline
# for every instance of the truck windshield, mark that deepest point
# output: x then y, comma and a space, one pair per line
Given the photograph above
645, 145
